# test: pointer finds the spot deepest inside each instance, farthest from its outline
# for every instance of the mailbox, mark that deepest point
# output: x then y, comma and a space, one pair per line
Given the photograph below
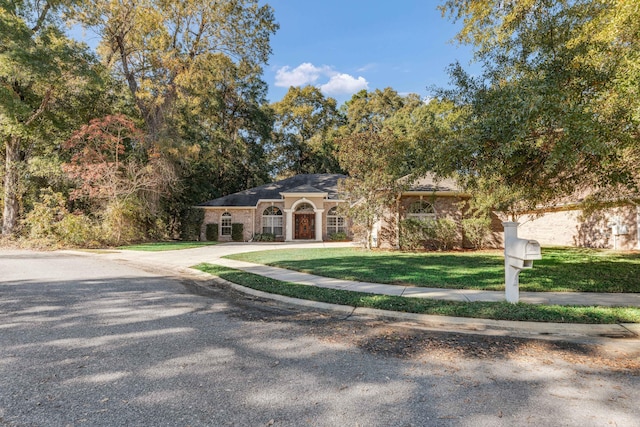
522, 252
518, 255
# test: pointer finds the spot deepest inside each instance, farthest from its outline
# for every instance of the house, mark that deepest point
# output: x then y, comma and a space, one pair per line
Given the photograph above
616, 226
304, 208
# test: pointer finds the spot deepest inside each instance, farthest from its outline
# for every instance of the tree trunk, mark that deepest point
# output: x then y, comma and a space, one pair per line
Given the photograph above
11, 181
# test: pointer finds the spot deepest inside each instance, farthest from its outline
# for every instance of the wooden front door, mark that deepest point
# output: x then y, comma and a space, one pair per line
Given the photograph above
305, 226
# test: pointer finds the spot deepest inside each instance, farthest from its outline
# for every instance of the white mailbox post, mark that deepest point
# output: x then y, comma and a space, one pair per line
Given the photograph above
518, 255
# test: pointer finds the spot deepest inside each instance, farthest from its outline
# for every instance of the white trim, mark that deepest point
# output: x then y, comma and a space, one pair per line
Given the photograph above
314, 195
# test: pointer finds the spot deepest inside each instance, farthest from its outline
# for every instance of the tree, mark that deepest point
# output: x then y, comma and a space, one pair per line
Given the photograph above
554, 111
305, 122
212, 131
157, 46
367, 111
225, 124
115, 174
41, 72
369, 157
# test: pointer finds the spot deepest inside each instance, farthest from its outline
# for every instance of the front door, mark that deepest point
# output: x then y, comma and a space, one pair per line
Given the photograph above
305, 227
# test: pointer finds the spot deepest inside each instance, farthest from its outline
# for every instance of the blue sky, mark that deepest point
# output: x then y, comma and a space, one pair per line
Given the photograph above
348, 45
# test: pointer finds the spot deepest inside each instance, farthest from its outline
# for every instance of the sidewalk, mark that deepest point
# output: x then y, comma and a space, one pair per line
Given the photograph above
468, 295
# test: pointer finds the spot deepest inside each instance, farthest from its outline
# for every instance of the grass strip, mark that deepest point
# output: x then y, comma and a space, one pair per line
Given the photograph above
482, 310
165, 246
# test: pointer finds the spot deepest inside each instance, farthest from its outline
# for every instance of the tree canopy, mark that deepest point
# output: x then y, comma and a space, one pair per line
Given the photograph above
556, 108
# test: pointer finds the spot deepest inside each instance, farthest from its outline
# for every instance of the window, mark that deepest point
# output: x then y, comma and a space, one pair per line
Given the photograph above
421, 211
225, 224
335, 222
305, 207
272, 221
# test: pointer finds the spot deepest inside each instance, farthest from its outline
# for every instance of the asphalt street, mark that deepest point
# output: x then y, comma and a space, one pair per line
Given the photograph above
89, 341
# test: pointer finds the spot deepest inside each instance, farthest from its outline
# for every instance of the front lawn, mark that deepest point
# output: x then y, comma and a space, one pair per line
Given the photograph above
166, 246
560, 270
483, 310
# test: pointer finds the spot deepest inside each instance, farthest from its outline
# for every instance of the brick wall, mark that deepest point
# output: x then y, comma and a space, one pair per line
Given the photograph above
242, 216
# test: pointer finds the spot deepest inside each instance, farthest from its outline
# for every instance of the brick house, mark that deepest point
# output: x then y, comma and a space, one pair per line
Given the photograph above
303, 208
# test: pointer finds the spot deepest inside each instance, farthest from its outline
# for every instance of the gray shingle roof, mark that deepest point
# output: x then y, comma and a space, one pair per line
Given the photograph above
306, 183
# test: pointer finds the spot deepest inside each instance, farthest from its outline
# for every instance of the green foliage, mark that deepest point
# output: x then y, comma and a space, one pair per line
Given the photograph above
44, 80
41, 222
211, 232
339, 236
264, 237
191, 223
369, 157
440, 234
304, 123
78, 230
476, 230
237, 232
553, 112
50, 223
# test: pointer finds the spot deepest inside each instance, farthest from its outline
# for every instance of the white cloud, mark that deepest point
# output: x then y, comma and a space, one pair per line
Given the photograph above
307, 73
303, 74
344, 83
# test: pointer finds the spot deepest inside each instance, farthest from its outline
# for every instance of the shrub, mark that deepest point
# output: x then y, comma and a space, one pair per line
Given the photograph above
446, 233
124, 222
78, 230
237, 234
441, 234
211, 233
42, 219
338, 236
191, 222
476, 231
264, 237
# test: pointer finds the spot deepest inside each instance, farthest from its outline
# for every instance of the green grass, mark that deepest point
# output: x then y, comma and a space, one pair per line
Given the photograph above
483, 310
166, 246
559, 270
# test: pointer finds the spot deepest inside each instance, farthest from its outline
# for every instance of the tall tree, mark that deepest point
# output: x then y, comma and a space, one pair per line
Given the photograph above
41, 71
156, 45
225, 124
554, 111
305, 122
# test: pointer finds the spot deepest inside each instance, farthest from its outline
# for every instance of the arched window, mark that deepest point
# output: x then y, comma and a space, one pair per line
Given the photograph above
225, 224
422, 211
335, 222
304, 207
272, 221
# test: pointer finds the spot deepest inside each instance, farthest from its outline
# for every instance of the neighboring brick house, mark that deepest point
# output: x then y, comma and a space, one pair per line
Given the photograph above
614, 227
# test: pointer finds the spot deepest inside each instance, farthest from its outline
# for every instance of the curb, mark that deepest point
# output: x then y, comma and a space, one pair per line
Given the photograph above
627, 334
533, 330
